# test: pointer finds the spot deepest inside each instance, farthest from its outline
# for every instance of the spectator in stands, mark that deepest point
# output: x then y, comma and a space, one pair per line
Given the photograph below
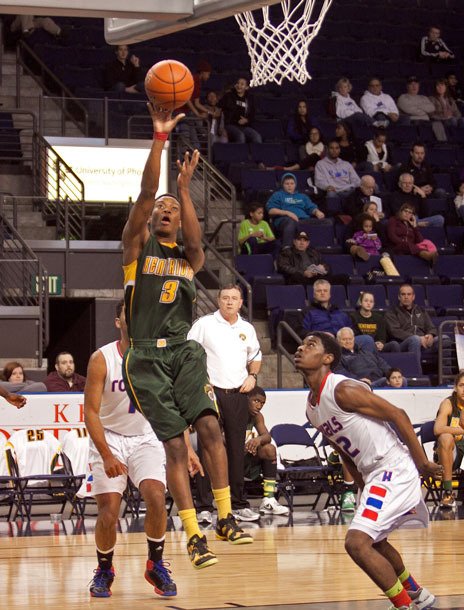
449, 430
287, 207
124, 73
325, 317
349, 148
410, 324
261, 454
366, 241
302, 264
255, 236
405, 238
353, 205
418, 167
64, 378
367, 321
27, 24
195, 104
14, 379
434, 48
408, 192
372, 208
378, 152
459, 202
314, 150
396, 379
378, 105
334, 176
446, 109
216, 118
239, 111
299, 127
359, 364
345, 107
454, 89
413, 106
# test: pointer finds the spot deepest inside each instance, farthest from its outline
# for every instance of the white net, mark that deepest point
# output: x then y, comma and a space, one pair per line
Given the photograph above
281, 51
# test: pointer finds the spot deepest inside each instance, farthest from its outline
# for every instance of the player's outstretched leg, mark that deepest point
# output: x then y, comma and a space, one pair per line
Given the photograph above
179, 486
422, 598
215, 459
105, 539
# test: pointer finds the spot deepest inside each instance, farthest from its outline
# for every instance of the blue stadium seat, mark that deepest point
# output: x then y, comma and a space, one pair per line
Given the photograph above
270, 130
447, 300
259, 271
451, 268
415, 269
268, 153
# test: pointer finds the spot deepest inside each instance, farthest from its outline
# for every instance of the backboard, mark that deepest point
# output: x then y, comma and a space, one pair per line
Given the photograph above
129, 31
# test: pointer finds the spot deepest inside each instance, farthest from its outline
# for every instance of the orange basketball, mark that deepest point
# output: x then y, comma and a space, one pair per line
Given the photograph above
169, 84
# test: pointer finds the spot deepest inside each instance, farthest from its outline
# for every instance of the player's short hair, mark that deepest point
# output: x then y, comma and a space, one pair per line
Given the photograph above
119, 308
257, 391
230, 286
57, 359
330, 346
169, 195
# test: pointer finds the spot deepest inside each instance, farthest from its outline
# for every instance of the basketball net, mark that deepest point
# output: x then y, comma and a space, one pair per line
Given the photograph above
281, 51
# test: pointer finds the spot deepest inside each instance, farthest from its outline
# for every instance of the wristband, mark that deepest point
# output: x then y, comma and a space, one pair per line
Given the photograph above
253, 375
160, 135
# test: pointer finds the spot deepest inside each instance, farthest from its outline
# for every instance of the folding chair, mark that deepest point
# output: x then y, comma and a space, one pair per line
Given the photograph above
314, 478
433, 491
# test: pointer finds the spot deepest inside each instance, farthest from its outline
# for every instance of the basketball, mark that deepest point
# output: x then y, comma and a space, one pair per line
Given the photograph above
169, 84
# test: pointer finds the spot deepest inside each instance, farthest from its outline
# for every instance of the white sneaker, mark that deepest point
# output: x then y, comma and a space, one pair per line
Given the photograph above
204, 517
270, 506
422, 598
245, 514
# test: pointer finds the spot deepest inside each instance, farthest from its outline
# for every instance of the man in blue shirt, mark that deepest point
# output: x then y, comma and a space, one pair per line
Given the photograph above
287, 207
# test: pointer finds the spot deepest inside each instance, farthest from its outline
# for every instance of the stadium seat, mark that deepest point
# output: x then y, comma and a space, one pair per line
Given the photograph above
447, 299
419, 291
268, 153
259, 271
409, 366
451, 268
415, 269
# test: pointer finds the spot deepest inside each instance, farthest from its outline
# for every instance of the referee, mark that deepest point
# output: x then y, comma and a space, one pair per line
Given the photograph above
233, 362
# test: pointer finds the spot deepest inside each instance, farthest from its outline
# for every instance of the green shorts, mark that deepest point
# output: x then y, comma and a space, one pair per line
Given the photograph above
169, 385
252, 467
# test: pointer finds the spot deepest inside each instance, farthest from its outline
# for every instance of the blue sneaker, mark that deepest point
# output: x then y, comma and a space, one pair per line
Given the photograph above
158, 575
100, 585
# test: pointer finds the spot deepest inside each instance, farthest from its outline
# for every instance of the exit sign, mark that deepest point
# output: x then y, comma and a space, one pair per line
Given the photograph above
55, 284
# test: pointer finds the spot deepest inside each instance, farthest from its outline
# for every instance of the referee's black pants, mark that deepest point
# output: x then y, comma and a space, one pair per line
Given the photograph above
233, 409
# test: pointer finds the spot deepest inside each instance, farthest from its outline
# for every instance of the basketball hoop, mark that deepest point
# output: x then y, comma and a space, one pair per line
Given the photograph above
281, 51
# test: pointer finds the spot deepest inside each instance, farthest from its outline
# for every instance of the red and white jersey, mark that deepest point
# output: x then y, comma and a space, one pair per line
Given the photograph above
367, 441
116, 411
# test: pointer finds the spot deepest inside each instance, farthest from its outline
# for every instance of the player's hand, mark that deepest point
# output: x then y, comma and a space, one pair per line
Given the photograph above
430, 469
248, 384
194, 464
16, 400
186, 168
113, 467
252, 446
163, 121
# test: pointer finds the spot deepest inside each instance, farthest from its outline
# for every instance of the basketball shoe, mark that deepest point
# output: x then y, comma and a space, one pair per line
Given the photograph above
270, 506
228, 529
100, 586
159, 576
348, 502
199, 553
448, 500
422, 598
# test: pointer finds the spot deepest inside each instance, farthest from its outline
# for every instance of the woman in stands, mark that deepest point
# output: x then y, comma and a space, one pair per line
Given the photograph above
405, 238
13, 372
366, 321
349, 148
446, 109
346, 108
314, 151
299, 127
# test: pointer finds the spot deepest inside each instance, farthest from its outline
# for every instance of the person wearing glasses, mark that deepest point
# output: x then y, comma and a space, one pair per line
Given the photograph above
405, 238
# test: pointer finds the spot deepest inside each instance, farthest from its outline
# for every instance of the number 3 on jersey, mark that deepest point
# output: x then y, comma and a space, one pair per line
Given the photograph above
169, 291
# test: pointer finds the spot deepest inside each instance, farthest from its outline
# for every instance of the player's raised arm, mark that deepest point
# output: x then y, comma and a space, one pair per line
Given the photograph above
136, 232
353, 398
191, 230
93, 392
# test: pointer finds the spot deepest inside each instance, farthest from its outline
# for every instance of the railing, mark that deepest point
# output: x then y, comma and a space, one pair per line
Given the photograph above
70, 107
282, 352
23, 280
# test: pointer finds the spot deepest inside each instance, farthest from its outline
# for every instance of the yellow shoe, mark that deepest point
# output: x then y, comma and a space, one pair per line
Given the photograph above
199, 553
227, 529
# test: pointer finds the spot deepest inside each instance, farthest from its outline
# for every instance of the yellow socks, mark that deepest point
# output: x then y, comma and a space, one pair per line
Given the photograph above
190, 523
222, 498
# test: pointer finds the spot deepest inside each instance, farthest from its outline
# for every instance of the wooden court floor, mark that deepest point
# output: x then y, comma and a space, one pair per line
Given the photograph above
50, 565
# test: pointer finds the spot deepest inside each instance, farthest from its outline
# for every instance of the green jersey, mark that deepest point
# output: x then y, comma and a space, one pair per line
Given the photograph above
159, 293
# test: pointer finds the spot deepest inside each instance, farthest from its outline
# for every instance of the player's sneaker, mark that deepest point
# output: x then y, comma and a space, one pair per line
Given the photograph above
100, 586
228, 529
448, 500
205, 516
411, 607
158, 575
270, 506
245, 514
422, 598
199, 553
348, 502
